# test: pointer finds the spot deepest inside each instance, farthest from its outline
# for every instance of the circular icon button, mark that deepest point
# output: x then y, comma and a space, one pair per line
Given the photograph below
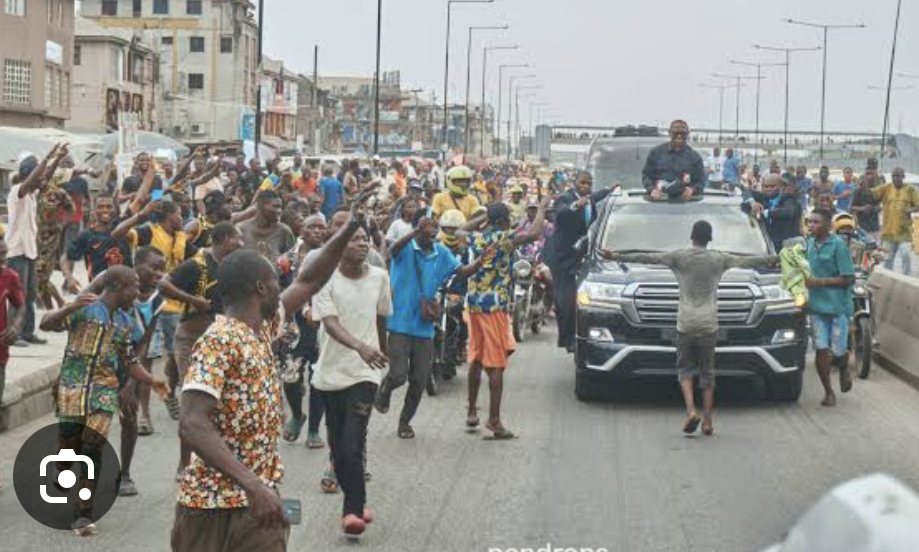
66, 475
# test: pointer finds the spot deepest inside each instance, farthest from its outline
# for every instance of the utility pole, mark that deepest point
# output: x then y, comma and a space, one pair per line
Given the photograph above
720, 88
446, 144
496, 150
787, 52
759, 68
738, 78
376, 83
484, 78
826, 30
466, 126
893, 55
258, 79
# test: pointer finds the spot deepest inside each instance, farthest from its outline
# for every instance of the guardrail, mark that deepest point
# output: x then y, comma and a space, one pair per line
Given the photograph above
896, 308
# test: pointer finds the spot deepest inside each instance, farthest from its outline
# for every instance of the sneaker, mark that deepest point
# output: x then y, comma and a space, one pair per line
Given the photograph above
329, 482
84, 527
382, 402
35, 340
314, 441
127, 487
21, 343
353, 526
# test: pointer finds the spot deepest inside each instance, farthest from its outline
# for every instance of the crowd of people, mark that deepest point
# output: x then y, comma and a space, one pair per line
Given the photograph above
255, 286
289, 283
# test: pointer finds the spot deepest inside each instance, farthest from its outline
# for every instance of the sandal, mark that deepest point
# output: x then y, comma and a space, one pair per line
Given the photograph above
499, 433
472, 420
691, 424
172, 406
329, 482
144, 427
292, 429
314, 441
707, 429
406, 432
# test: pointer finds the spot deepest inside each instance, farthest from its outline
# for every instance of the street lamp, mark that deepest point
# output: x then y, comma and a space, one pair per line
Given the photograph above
787, 52
721, 88
737, 119
484, 73
258, 83
510, 107
376, 83
500, 87
469, 78
517, 108
447, 60
826, 31
759, 68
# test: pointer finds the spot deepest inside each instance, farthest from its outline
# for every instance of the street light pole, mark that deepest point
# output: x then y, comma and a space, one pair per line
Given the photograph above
759, 68
510, 108
893, 55
376, 83
721, 88
484, 75
469, 79
826, 31
739, 78
447, 63
517, 116
258, 80
496, 150
787, 52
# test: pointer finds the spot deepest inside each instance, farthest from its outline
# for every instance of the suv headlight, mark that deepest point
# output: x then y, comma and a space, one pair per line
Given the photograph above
599, 293
776, 294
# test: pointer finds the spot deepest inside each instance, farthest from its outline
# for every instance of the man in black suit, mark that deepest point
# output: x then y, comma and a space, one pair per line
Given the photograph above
575, 210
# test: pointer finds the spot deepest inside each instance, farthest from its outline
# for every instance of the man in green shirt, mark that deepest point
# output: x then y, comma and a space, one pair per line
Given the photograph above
899, 201
830, 303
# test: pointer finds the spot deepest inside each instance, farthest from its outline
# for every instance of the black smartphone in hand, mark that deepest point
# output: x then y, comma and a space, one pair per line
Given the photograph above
292, 511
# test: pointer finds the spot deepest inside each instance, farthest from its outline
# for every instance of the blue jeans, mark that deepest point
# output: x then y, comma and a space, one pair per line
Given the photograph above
25, 268
895, 249
831, 332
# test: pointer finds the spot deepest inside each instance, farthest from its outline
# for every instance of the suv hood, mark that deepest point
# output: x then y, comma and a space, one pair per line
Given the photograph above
613, 273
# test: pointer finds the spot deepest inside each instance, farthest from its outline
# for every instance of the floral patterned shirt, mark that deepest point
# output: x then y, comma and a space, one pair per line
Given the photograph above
100, 351
490, 287
235, 365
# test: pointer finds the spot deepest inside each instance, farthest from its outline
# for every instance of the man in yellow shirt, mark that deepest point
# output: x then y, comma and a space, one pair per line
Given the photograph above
899, 201
456, 196
517, 206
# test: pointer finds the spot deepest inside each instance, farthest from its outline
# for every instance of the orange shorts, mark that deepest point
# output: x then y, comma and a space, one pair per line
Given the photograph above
491, 339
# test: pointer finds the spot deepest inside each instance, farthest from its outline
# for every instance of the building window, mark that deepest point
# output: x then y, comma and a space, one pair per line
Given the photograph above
138, 8
196, 81
17, 82
196, 44
55, 86
193, 7
65, 91
49, 4
160, 7
167, 41
15, 7
226, 45
77, 54
110, 7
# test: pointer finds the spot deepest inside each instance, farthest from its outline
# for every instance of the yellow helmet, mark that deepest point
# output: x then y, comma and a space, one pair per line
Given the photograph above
516, 189
452, 219
460, 172
843, 221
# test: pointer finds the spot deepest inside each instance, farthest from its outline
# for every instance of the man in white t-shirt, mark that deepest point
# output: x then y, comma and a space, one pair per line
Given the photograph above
353, 307
402, 226
22, 231
714, 169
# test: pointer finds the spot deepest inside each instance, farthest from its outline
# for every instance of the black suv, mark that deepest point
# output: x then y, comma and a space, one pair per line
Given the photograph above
626, 319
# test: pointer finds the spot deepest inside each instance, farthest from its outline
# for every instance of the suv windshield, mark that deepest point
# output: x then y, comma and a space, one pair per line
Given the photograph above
662, 226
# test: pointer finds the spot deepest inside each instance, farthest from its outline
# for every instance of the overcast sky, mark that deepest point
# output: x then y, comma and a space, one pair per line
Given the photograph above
623, 61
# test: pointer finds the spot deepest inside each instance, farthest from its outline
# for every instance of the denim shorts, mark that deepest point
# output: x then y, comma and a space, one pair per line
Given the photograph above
166, 326
831, 332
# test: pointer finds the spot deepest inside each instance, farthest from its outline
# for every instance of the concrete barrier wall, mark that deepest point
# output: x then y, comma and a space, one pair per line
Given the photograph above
896, 303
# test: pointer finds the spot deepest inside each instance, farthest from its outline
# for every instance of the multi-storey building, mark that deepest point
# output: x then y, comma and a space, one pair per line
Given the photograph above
36, 55
114, 71
207, 59
279, 88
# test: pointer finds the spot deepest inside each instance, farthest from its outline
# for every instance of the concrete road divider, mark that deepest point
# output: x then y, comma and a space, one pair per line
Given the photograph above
896, 309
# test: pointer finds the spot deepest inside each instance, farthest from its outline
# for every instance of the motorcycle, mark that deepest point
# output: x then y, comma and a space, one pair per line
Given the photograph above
862, 328
529, 310
449, 341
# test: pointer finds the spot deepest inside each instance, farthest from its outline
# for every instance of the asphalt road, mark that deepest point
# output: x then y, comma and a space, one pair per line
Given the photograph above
586, 476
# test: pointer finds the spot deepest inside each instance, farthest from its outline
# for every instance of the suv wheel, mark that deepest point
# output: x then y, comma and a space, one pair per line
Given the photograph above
786, 387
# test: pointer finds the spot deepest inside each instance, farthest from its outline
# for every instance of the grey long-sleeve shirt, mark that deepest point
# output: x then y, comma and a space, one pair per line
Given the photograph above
698, 272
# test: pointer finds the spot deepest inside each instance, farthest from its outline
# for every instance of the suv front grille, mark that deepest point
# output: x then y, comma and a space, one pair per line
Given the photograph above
658, 303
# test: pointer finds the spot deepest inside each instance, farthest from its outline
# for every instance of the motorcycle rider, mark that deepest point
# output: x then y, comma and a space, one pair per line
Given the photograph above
456, 196
516, 205
450, 224
535, 251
